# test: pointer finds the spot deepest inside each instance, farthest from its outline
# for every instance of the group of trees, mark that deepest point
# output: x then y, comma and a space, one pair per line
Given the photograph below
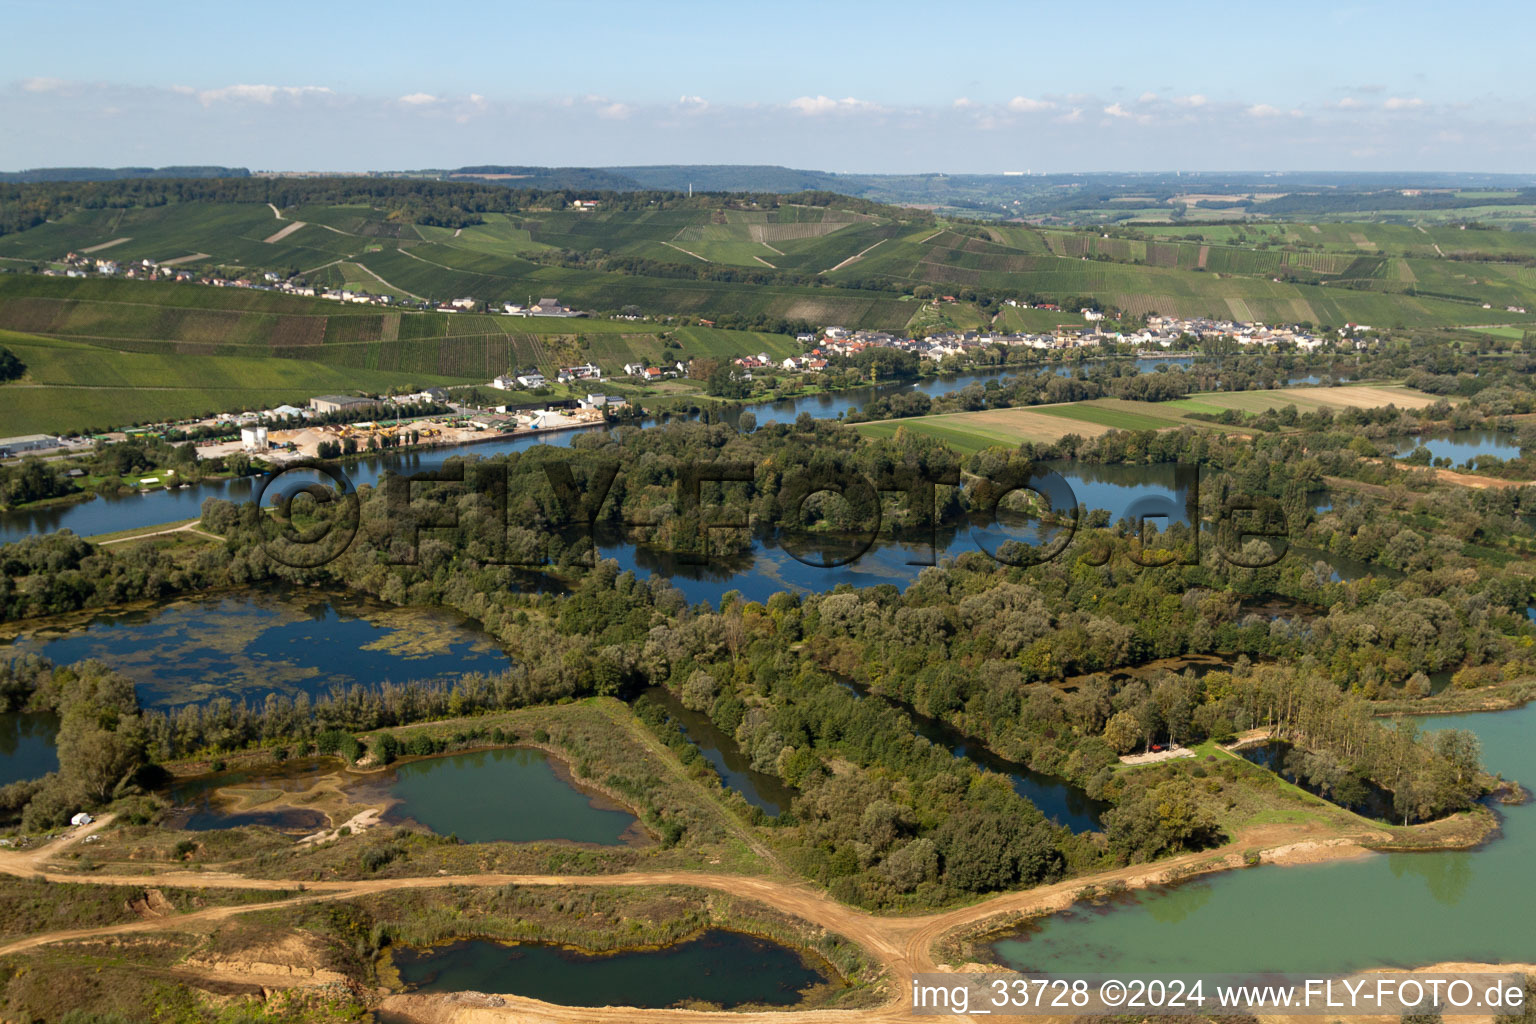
11, 368
101, 739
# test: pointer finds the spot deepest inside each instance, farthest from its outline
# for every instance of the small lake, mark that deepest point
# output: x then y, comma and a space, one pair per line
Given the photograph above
1342, 568
1368, 799
513, 795
1058, 799
722, 967
779, 560
249, 643
1462, 445
1385, 910
27, 745
762, 790
197, 807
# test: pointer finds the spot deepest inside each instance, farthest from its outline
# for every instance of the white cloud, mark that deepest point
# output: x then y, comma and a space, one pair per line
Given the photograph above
1072, 117
1025, 105
1403, 103
1147, 97
1348, 103
1116, 110
615, 111
1263, 110
255, 93
965, 103
418, 99
813, 105
1192, 100
44, 84
693, 104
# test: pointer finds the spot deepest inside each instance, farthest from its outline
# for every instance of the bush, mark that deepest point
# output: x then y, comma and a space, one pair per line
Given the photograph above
339, 742
376, 857
386, 747
51, 806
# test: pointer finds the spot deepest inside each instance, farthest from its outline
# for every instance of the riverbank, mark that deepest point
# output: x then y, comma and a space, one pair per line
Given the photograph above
1501, 697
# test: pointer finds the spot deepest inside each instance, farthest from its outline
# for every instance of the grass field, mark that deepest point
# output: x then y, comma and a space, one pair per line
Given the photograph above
968, 432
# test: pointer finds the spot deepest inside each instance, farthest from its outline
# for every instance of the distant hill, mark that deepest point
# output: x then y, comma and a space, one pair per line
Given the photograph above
39, 174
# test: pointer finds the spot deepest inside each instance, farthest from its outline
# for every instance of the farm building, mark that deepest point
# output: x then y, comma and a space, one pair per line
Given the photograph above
27, 443
338, 403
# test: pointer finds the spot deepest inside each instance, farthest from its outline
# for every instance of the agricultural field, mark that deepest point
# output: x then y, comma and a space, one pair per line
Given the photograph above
73, 386
710, 262
102, 352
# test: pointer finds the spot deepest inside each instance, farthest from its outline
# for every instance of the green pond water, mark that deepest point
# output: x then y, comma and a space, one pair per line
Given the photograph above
249, 643
1386, 910
513, 795
719, 966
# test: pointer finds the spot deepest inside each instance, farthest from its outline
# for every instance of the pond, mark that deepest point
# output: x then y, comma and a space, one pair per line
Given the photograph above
1363, 796
1461, 445
1058, 799
1384, 910
781, 560
762, 790
27, 745
199, 806
515, 795
246, 644
1342, 568
721, 967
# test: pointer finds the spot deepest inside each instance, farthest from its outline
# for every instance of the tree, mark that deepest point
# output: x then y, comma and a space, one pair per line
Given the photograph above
97, 760
10, 367
727, 380
992, 849
1123, 732
1160, 819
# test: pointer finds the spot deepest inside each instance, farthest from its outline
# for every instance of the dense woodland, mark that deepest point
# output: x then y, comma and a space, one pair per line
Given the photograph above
1024, 656
413, 200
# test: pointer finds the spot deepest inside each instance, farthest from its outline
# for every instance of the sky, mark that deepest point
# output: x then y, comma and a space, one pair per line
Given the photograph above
960, 87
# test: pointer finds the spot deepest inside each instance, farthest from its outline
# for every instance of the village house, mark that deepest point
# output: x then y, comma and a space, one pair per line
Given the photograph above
586, 371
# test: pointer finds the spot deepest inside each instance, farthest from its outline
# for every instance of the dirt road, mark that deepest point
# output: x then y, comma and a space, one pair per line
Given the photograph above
901, 945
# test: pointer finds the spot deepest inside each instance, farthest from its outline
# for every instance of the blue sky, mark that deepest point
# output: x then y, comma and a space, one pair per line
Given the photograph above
851, 87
